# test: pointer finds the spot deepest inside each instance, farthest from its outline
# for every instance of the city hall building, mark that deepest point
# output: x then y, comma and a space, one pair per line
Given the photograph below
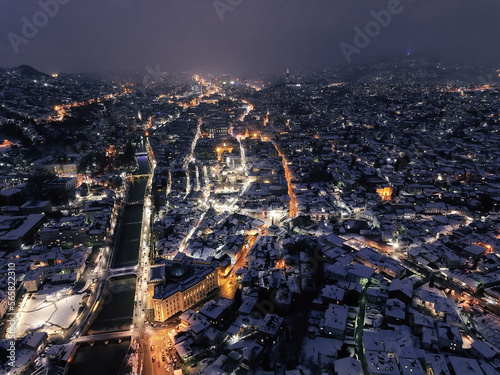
178, 284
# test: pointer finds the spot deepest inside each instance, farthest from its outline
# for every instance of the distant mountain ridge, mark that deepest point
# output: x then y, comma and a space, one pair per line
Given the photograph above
408, 69
29, 71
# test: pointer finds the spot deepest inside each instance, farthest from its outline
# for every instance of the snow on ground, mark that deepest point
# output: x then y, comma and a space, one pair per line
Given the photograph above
133, 358
321, 349
52, 310
489, 326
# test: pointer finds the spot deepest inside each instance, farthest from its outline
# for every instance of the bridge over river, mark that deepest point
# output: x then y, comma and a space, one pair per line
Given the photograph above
103, 337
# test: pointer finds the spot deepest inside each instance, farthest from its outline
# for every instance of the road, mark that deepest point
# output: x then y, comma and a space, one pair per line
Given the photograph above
229, 285
98, 275
146, 336
157, 346
140, 298
293, 211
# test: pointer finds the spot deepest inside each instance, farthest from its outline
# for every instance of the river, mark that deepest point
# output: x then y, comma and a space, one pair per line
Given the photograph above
99, 359
117, 310
127, 248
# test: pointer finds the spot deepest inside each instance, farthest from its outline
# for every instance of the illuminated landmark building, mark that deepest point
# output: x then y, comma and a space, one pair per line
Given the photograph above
178, 284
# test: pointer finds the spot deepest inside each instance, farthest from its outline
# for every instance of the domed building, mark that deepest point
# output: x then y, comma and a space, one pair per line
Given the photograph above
178, 284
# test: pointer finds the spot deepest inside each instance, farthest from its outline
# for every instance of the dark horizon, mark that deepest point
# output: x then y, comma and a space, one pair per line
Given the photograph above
243, 37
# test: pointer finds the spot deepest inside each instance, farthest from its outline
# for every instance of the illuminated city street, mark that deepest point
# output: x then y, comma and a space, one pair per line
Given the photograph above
249, 188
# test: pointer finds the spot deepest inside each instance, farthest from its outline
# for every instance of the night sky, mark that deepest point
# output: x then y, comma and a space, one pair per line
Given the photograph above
181, 35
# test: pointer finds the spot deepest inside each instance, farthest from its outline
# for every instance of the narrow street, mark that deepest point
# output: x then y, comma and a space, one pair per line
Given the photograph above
292, 213
360, 322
